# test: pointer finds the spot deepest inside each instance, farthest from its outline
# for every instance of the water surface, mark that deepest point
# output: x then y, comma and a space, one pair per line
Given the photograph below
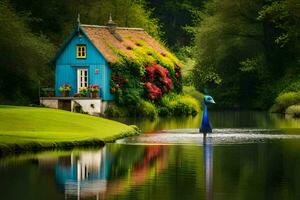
252, 155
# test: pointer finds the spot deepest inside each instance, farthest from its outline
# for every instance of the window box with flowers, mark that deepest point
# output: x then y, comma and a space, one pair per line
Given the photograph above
65, 90
94, 90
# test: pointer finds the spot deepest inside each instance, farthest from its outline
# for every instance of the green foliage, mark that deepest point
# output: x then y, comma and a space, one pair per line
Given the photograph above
186, 105
143, 109
293, 110
185, 54
116, 111
169, 105
84, 92
244, 48
178, 105
24, 58
293, 86
126, 13
290, 82
176, 17
284, 100
144, 55
284, 16
147, 109
130, 93
191, 91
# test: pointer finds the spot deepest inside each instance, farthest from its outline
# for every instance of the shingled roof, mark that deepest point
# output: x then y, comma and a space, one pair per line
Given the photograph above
135, 43
123, 39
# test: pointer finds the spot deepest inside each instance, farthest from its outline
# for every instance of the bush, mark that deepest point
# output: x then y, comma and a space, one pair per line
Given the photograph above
293, 87
191, 91
163, 112
293, 110
144, 109
147, 109
284, 100
178, 105
116, 111
191, 104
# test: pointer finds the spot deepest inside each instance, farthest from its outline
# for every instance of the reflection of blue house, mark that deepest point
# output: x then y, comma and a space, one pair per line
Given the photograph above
83, 174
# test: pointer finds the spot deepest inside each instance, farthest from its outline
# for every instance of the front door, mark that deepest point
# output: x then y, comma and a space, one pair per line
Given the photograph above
82, 78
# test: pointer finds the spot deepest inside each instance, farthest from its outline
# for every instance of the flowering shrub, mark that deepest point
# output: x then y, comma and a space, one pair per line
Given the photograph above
65, 88
117, 82
83, 91
140, 83
158, 81
93, 88
177, 79
154, 92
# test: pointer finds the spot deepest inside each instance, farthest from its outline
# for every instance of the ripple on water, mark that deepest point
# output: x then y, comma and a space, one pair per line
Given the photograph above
219, 136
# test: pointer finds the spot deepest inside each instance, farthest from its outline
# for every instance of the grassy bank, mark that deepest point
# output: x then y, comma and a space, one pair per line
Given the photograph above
30, 129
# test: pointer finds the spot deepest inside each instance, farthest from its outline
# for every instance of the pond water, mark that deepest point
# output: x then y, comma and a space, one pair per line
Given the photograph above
251, 155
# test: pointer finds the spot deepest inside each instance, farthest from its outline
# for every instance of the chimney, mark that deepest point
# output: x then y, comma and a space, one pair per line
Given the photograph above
112, 26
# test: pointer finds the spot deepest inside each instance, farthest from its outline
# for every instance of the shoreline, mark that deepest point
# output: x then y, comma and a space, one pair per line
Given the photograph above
34, 147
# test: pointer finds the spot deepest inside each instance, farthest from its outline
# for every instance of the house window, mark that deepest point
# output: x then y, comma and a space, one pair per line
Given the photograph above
81, 51
82, 78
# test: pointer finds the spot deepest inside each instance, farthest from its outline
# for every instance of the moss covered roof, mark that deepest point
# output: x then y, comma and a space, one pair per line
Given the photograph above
134, 43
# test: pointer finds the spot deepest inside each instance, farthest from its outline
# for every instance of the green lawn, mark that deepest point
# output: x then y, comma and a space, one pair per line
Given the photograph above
25, 127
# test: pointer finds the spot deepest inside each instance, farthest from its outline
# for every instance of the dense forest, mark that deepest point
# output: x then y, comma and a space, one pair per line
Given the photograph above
245, 52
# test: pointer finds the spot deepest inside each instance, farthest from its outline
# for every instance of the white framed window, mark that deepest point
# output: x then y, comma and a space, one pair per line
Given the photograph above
82, 78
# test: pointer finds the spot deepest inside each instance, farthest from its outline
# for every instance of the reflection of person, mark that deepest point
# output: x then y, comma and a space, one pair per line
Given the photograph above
208, 167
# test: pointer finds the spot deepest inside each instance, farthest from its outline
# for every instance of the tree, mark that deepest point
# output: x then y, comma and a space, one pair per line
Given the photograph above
176, 16
23, 60
238, 52
57, 18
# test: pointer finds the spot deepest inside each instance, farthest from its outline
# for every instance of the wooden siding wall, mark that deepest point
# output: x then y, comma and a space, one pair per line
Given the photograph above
67, 65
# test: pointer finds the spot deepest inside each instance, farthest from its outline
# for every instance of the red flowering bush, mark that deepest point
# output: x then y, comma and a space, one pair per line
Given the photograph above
154, 92
117, 82
157, 81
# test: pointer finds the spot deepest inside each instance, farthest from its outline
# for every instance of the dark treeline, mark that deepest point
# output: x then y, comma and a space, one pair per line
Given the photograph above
176, 18
245, 52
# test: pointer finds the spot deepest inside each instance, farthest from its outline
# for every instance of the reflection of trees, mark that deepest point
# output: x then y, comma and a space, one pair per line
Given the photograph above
285, 121
109, 171
149, 126
257, 171
223, 119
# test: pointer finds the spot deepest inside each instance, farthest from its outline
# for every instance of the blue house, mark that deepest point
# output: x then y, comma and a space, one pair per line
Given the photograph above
86, 57
80, 62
